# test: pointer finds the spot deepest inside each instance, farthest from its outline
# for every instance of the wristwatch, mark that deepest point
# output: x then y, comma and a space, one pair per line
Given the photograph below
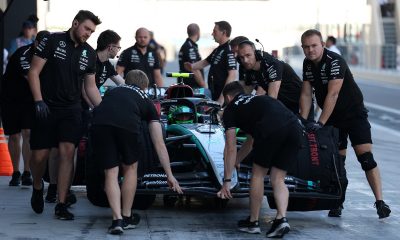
226, 179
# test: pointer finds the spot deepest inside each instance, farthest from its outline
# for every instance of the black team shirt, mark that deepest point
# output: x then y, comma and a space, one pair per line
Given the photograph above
15, 87
331, 67
189, 52
271, 70
221, 60
125, 106
62, 76
258, 116
104, 70
132, 59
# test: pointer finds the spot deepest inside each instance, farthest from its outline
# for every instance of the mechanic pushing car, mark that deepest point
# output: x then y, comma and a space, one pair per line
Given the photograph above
116, 131
342, 106
274, 139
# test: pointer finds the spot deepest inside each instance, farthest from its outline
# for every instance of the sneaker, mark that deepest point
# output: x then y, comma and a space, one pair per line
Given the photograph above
15, 179
249, 227
382, 209
116, 227
51, 196
62, 213
37, 202
71, 198
130, 222
26, 179
279, 228
337, 212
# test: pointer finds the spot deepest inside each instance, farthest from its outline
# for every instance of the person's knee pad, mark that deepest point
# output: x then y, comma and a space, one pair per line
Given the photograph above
367, 161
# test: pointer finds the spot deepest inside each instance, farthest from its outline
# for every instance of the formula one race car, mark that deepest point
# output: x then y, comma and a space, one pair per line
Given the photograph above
195, 141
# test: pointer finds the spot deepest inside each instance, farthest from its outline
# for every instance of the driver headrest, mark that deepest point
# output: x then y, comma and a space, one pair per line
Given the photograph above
179, 91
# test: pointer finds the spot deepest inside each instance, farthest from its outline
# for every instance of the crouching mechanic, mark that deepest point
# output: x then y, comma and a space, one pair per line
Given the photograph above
342, 105
116, 131
274, 139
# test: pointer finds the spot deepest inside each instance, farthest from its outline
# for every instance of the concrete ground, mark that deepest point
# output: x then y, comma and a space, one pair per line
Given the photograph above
200, 220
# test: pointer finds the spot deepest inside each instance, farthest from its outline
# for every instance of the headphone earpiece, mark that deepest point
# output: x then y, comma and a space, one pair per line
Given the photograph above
258, 55
238, 60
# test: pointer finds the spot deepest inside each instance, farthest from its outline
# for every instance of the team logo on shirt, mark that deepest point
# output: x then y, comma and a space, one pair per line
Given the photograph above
83, 60
84, 53
62, 44
135, 57
60, 53
244, 99
103, 75
150, 59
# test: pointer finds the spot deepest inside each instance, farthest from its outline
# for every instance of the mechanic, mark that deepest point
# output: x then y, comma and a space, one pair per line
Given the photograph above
63, 61
17, 109
114, 136
189, 52
222, 60
269, 76
108, 45
342, 105
273, 137
141, 57
234, 43
330, 44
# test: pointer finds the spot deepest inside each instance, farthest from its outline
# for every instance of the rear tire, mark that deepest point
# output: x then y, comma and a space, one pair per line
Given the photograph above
143, 202
221, 203
170, 200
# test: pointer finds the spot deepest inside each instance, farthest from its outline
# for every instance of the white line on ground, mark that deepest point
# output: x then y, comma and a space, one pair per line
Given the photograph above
385, 129
382, 108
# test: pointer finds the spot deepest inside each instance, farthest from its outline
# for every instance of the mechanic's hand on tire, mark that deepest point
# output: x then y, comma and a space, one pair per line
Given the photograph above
174, 185
225, 192
314, 126
41, 109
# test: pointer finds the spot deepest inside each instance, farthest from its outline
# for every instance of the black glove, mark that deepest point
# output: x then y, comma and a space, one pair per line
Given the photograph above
41, 109
303, 121
314, 126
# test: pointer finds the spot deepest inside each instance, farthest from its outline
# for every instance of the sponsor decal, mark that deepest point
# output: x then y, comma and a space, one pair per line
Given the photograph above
312, 140
84, 53
243, 99
62, 44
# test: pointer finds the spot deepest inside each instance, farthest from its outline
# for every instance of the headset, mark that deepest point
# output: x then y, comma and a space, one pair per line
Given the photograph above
257, 53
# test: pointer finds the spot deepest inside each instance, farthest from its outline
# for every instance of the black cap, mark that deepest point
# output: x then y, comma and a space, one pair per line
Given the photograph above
28, 24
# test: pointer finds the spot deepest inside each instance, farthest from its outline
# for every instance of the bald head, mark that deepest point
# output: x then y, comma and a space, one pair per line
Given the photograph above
142, 37
193, 31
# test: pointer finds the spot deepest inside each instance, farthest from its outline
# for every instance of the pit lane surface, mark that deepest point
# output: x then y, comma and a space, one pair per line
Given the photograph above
199, 220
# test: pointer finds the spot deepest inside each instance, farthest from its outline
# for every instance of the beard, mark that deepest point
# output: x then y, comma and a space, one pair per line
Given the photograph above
79, 39
140, 45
